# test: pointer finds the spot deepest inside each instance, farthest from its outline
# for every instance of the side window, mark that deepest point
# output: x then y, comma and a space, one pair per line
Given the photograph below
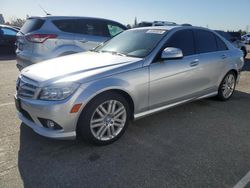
114, 29
82, 26
95, 27
205, 41
220, 44
7, 31
66, 25
183, 40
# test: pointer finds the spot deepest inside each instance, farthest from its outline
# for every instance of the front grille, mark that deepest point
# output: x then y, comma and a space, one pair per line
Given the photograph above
26, 88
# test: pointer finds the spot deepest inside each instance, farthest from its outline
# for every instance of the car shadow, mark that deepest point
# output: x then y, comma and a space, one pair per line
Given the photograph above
203, 136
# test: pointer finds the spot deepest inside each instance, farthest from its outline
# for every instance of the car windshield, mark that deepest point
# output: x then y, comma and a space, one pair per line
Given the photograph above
134, 43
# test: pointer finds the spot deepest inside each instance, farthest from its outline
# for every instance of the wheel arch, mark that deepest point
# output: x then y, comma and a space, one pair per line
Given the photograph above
223, 76
119, 91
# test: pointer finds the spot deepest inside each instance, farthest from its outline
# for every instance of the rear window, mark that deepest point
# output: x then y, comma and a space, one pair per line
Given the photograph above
31, 25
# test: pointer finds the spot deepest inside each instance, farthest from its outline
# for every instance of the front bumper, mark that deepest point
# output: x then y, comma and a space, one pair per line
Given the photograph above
45, 132
31, 111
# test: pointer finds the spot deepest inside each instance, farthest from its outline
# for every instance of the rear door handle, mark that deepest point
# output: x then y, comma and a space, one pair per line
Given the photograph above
194, 63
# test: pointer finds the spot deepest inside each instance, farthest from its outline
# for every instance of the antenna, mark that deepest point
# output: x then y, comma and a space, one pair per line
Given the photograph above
47, 14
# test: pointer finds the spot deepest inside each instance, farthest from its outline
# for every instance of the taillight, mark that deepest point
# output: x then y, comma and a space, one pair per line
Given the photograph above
40, 38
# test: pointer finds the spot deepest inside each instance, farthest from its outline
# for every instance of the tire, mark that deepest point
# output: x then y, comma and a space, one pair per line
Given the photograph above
98, 127
227, 87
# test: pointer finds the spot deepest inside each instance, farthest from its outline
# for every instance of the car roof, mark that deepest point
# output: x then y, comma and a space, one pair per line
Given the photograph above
68, 17
168, 28
9, 26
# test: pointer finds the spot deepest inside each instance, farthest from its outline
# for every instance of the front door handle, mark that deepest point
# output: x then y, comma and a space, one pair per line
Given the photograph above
194, 63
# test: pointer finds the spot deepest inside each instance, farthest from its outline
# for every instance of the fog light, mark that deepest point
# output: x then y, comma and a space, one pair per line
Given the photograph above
47, 123
50, 124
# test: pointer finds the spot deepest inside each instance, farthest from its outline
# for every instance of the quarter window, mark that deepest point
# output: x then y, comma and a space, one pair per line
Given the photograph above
183, 40
114, 29
205, 41
221, 45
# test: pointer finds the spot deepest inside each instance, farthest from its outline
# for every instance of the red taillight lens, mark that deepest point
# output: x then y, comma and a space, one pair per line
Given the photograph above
40, 38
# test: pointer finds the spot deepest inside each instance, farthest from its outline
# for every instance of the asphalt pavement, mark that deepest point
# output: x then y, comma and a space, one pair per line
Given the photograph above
200, 144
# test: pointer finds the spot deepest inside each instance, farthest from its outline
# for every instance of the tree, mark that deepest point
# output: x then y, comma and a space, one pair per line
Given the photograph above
17, 22
135, 23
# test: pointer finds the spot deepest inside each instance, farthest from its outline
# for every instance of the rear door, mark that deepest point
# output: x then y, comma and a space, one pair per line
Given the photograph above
213, 54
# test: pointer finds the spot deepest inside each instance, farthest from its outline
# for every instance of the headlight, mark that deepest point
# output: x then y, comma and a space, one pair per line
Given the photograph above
58, 91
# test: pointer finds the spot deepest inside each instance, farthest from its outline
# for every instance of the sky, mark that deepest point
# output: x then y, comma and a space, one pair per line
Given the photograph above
214, 14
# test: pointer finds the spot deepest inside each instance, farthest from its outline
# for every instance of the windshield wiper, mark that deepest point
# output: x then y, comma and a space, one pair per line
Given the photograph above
113, 52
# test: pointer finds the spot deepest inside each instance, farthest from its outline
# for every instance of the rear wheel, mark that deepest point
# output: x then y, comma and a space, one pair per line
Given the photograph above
104, 119
227, 86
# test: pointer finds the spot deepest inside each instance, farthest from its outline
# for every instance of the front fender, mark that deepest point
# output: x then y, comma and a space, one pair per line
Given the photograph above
134, 83
95, 88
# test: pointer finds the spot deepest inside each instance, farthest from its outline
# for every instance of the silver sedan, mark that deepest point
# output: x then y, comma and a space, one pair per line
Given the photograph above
139, 72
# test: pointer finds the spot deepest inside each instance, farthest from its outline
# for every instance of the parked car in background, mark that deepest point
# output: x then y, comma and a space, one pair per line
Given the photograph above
163, 23
235, 39
7, 39
43, 38
246, 38
139, 72
156, 23
144, 24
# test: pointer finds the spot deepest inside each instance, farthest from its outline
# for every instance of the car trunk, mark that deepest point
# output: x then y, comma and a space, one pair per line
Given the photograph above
31, 25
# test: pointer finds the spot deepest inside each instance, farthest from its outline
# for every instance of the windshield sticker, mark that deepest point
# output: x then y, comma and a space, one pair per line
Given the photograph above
156, 31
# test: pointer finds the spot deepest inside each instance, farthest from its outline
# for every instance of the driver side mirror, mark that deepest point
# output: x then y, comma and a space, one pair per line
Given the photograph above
171, 53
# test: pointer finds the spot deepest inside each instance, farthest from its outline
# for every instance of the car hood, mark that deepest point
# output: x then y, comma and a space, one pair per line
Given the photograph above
77, 65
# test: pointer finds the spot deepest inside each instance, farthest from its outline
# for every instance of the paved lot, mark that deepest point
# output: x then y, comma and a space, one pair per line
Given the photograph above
201, 144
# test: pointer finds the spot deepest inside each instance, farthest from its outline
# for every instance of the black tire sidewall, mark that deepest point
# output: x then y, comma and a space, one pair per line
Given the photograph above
83, 125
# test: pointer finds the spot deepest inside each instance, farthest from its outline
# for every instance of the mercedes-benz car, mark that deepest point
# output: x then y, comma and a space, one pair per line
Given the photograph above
141, 71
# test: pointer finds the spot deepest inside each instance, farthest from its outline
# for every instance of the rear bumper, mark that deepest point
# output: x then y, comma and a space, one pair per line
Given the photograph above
25, 60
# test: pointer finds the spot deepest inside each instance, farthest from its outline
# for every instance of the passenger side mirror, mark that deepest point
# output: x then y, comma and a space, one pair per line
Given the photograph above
171, 53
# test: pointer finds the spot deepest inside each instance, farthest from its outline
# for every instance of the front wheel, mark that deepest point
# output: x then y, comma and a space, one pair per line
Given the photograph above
104, 119
227, 87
